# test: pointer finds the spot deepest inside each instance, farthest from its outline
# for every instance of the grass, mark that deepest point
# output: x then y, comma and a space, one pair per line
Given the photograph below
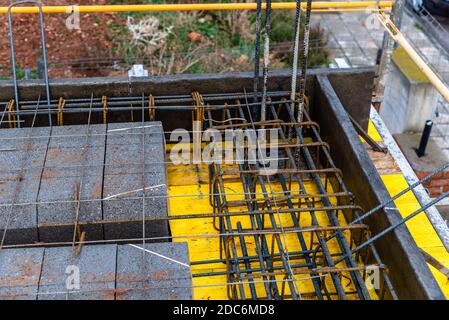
227, 41
20, 74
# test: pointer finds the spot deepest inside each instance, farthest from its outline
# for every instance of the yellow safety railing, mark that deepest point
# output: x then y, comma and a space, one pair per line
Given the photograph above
317, 5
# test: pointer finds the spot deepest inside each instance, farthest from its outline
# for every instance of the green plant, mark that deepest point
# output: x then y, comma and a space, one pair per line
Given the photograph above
225, 41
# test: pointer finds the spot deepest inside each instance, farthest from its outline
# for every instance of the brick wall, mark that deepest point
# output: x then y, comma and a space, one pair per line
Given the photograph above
438, 184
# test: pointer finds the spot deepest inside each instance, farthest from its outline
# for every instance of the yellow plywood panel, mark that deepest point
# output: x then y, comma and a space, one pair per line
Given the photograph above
440, 253
420, 227
189, 194
372, 132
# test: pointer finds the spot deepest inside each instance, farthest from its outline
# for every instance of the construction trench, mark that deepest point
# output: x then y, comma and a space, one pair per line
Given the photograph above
97, 188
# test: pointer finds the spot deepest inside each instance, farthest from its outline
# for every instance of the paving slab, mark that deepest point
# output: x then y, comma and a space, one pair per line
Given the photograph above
160, 272
97, 268
20, 270
73, 171
135, 183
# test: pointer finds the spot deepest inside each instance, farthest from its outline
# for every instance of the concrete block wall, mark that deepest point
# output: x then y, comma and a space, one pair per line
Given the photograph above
74, 163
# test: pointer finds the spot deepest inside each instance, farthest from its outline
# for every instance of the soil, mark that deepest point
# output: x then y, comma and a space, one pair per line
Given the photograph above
65, 48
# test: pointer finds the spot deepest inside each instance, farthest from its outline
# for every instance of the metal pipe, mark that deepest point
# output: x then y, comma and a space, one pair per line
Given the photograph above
199, 6
424, 138
421, 64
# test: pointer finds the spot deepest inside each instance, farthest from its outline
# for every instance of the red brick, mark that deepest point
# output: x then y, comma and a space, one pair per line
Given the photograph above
439, 175
426, 183
445, 188
421, 174
446, 174
434, 191
439, 182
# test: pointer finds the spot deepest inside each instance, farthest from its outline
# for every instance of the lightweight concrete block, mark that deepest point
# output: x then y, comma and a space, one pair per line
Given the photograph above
20, 270
22, 156
160, 272
135, 183
18, 213
23, 148
73, 171
96, 265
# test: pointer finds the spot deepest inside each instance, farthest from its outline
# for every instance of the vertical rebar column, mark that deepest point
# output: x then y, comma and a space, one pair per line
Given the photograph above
305, 53
44, 53
266, 60
257, 57
295, 53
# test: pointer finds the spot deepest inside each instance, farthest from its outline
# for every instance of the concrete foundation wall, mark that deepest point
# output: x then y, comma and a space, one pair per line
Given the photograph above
407, 104
351, 85
408, 271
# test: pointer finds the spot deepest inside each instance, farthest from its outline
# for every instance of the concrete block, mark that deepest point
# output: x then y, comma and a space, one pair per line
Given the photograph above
22, 156
24, 147
106, 272
133, 186
20, 270
74, 165
135, 183
18, 214
161, 272
96, 265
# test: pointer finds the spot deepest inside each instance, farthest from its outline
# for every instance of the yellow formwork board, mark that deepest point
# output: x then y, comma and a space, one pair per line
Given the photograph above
420, 227
193, 198
372, 132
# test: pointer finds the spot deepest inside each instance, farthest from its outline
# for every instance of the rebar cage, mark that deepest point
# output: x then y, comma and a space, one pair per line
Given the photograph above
281, 234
